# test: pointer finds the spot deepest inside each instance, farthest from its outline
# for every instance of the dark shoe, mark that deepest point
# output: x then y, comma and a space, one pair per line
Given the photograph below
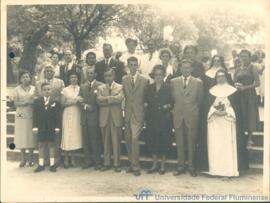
129, 169
86, 166
72, 166
105, 168
152, 170
66, 166
31, 164
192, 172
97, 167
39, 169
179, 172
162, 171
137, 173
22, 164
117, 169
53, 168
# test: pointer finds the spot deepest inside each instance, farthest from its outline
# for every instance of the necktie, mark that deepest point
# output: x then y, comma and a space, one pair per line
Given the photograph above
132, 81
185, 82
110, 90
90, 86
106, 62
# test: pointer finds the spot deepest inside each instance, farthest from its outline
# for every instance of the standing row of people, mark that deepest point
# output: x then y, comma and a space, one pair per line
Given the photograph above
185, 99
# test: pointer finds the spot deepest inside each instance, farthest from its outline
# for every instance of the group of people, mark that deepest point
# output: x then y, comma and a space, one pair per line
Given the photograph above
206, 112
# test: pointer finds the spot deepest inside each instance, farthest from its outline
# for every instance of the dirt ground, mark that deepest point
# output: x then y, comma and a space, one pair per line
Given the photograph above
78, 182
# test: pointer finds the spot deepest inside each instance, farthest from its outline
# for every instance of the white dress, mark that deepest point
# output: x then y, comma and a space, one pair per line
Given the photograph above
221, 139
71, 129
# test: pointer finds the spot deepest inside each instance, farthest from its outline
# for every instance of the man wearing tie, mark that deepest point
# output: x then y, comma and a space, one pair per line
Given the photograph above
89, 120
109, 98
134, 86
187, 94
110, 62
68, 66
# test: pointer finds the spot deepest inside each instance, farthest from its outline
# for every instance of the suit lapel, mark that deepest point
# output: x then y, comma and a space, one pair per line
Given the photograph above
189, 86
137, 82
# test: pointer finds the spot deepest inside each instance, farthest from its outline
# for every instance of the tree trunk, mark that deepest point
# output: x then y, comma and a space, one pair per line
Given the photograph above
29, 59
78, 45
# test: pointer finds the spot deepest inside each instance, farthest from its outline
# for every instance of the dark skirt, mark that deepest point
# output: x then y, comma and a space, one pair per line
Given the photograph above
250, 110
159, 138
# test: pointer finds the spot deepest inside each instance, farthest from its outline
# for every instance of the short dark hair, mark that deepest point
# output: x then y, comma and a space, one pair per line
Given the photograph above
157, 67
74, 72
44, 84
195, 49
245, 51
91, 53
128, 40
106, 44
132, 58
24, 72
168, 51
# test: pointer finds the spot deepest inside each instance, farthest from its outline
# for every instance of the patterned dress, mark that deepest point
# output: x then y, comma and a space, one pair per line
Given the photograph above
24, 138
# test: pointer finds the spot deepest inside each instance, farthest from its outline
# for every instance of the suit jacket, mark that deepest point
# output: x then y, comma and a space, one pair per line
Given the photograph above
46, 120
118, 68
89, 116
112, 107
64, 73
186, 101
57, 87
134, 97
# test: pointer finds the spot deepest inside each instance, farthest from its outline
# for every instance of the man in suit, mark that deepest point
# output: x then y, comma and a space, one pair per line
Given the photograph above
109, 61
56, 86
110, 97
187, 94
190, 53
134, 86
89, 120
46, 124
68, 66
90, 62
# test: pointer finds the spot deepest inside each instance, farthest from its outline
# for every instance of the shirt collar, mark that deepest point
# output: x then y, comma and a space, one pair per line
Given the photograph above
109, 60
188, 78
134, 76
91, 83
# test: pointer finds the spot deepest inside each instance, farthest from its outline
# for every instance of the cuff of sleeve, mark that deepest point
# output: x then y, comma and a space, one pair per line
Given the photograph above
35, 129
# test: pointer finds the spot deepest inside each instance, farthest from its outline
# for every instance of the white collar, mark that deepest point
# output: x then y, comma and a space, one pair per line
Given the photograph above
211, 72
224, 90
169, 71
188, 77
46, 98
134, 76
109, 60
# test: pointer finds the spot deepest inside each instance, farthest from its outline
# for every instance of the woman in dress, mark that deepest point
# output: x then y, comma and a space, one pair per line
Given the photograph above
24, 99
165, 56
71, 128
158, 104
225, 150
246, 79
55, 64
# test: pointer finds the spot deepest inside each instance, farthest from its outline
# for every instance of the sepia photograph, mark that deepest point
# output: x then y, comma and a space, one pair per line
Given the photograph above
134, 101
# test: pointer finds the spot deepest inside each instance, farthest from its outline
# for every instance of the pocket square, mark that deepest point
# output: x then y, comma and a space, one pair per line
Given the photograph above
53, 105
